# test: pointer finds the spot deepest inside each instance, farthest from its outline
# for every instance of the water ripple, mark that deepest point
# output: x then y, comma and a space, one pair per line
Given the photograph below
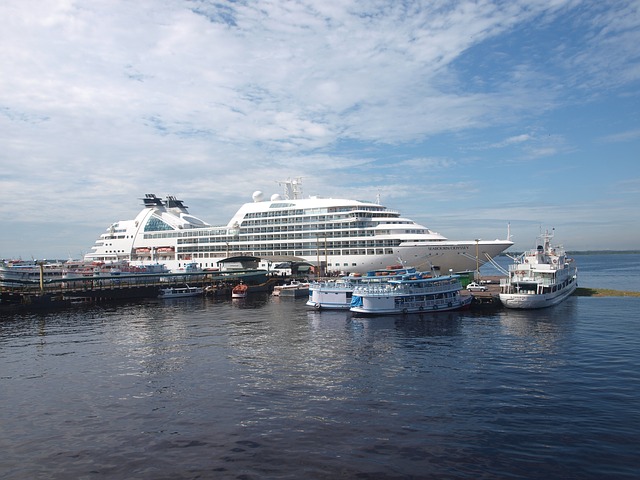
269, 389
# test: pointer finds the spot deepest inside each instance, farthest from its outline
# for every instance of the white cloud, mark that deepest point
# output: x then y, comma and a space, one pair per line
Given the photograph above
626, 136
515, 140
103, 101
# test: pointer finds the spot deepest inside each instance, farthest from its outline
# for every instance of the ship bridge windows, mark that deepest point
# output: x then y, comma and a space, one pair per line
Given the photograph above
280, 205
154, 224
315, 211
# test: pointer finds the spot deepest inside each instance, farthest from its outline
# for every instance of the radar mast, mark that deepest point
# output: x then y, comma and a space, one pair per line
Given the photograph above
292, 188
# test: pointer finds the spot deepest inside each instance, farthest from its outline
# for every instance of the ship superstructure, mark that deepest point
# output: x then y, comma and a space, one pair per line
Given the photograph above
337, 235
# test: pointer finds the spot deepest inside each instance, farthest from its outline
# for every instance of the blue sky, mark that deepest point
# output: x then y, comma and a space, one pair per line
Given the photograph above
465, 116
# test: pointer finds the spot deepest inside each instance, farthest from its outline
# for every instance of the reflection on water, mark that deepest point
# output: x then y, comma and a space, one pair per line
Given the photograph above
266, 388
540, 328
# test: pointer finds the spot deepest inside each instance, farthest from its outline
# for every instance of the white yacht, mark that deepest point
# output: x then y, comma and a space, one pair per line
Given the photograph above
540, 277
335, 235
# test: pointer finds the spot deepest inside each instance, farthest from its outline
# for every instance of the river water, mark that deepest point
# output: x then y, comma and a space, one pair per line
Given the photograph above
263, 388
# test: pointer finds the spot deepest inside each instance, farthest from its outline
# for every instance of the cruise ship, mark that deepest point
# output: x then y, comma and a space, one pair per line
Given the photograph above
333, 235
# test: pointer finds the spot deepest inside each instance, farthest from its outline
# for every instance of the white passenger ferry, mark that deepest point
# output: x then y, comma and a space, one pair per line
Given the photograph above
412, 293
336, 293
540, 277
336, 235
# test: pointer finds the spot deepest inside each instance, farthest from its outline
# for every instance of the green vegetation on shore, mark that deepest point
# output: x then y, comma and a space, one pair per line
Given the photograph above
603, 252
581, 252
603, 292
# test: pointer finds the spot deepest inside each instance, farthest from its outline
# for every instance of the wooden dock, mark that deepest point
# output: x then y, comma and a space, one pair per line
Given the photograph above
489, 299
62, 293
69, 292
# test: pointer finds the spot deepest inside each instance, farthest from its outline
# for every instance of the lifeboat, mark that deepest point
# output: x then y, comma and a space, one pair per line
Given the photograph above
239, 291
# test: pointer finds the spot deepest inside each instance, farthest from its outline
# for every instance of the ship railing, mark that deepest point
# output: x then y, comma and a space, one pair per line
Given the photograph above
526, 278
383, 290
96, 282
329, 286
535, 267
427, 305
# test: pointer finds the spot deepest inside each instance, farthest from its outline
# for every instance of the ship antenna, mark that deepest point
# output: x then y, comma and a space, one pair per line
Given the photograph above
378, 197
297, 188
292, 188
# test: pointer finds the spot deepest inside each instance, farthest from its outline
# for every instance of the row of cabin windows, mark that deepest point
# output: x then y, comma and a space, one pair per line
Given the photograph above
295, 253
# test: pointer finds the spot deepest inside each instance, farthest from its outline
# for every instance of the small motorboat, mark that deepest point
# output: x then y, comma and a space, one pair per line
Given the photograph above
178, 292
294, 289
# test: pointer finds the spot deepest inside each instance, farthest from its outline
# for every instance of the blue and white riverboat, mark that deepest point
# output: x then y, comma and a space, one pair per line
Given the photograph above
412, 293
336, 294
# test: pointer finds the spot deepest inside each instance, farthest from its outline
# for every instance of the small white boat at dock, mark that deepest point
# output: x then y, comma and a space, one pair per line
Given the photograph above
178, 292
295, 289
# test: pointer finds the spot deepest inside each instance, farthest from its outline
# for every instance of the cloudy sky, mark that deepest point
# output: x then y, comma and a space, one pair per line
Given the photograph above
464, 115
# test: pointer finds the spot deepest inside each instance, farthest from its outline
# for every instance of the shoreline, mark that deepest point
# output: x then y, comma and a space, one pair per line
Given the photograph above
494, 289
